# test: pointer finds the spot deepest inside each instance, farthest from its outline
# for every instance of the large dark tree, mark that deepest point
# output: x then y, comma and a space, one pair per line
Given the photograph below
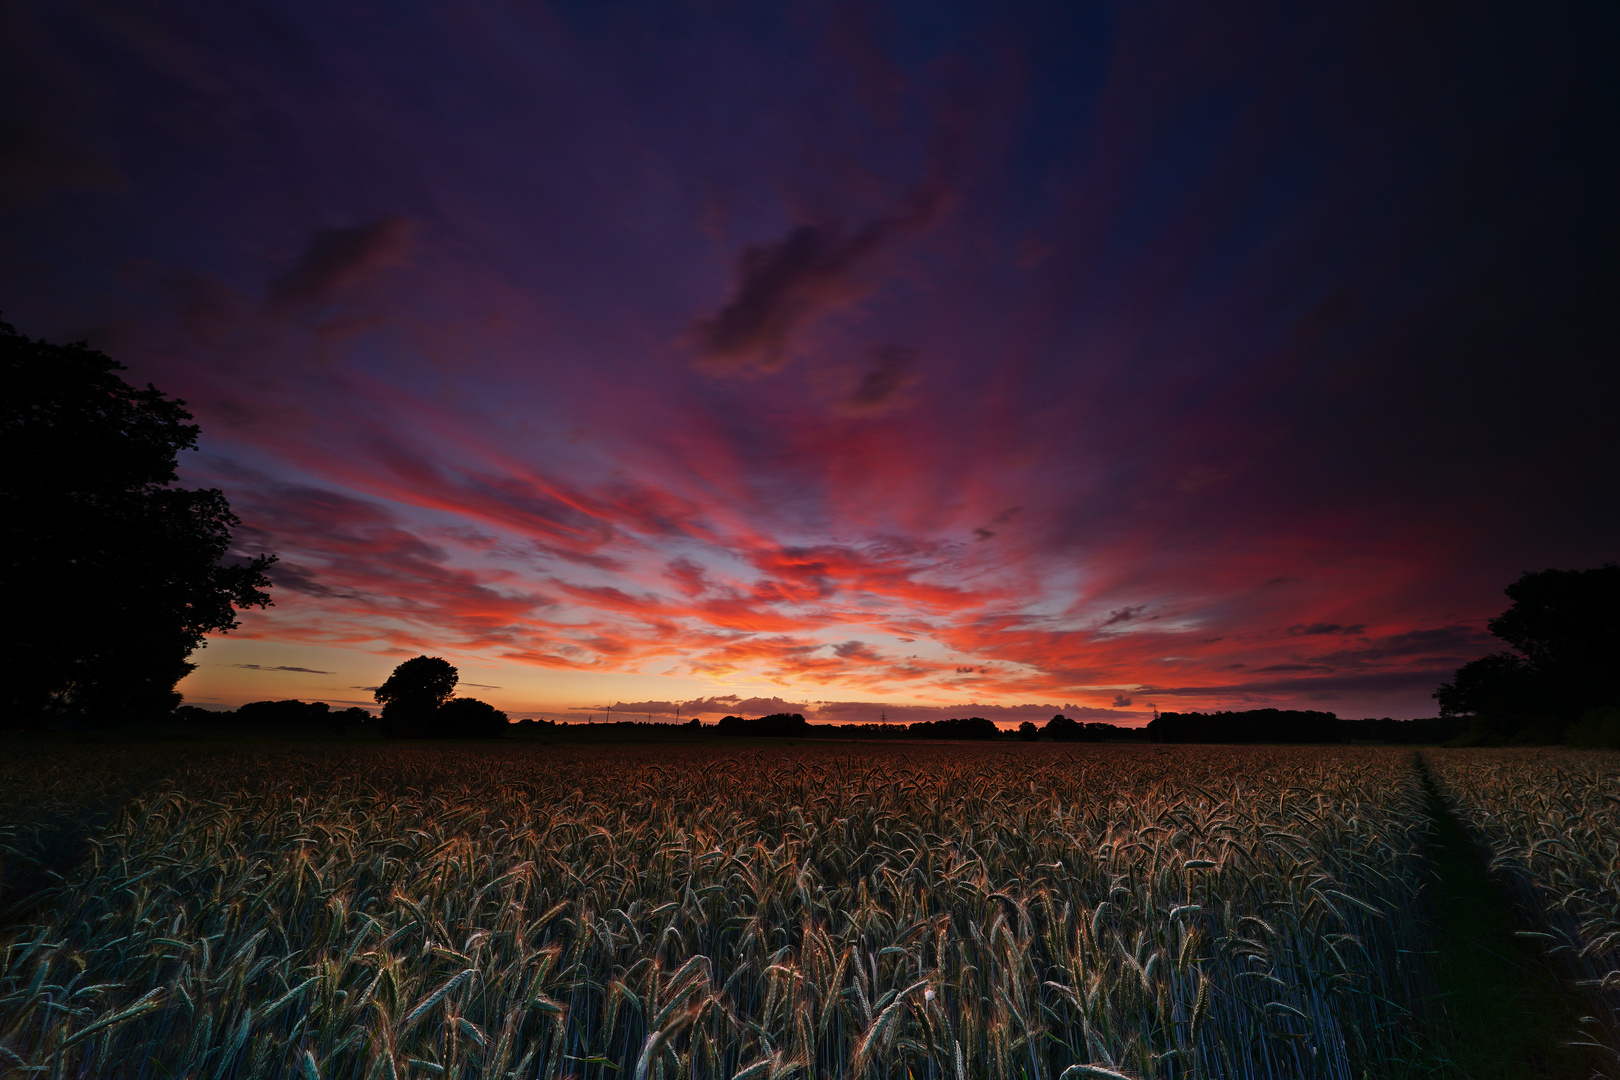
1061, 728
1564, 626
112, 575
412, 695
417, 703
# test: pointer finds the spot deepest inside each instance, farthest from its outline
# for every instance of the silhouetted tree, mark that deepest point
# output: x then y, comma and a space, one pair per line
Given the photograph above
774, 726
111, 575
1498, 695
1063, 729
1028, 731
413, 693
468, 718
1564, 626
972, 727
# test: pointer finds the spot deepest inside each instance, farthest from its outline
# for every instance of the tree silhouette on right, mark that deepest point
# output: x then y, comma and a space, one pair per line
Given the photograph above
1564, 626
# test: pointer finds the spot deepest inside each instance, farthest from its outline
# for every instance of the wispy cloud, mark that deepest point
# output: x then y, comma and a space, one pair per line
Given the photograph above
339, 259
783, 286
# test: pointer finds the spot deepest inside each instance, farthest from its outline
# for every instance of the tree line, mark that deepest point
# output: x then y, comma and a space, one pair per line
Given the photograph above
1294, 726
794, 725
285, 713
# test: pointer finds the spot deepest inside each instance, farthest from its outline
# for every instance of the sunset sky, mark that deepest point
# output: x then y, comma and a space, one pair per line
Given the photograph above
930, 359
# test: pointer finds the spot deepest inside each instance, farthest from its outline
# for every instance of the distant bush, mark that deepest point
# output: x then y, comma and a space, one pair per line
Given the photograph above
1063, 729
349, 719
775, 726
1252, 726
467, 718
974, 727
282, 713
1432, 730
1295, 726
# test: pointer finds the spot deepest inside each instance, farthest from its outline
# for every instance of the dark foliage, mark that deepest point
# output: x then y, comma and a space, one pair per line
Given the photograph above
468, 718
628, 731
1427, 732
411, 696
1564, 626
1597, 728
305, 713
281, 713
775, 726
1294, 726
349, 719
417, 704
112, 576
1253, 726
1063, 729
288, 713
974, 727
1028, 731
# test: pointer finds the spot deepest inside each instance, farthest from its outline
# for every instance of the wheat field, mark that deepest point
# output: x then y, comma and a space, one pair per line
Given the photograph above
674, 912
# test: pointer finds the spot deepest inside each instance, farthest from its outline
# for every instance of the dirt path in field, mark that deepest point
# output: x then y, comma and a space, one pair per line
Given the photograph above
1509, 1013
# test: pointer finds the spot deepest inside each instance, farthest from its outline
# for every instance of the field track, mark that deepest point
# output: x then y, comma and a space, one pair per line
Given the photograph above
1549, 821
699, 911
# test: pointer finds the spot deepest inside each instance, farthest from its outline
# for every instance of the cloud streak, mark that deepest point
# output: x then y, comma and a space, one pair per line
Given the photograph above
339, 259
781, 287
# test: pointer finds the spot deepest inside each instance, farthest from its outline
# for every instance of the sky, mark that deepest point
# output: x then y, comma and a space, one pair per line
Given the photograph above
900, 360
